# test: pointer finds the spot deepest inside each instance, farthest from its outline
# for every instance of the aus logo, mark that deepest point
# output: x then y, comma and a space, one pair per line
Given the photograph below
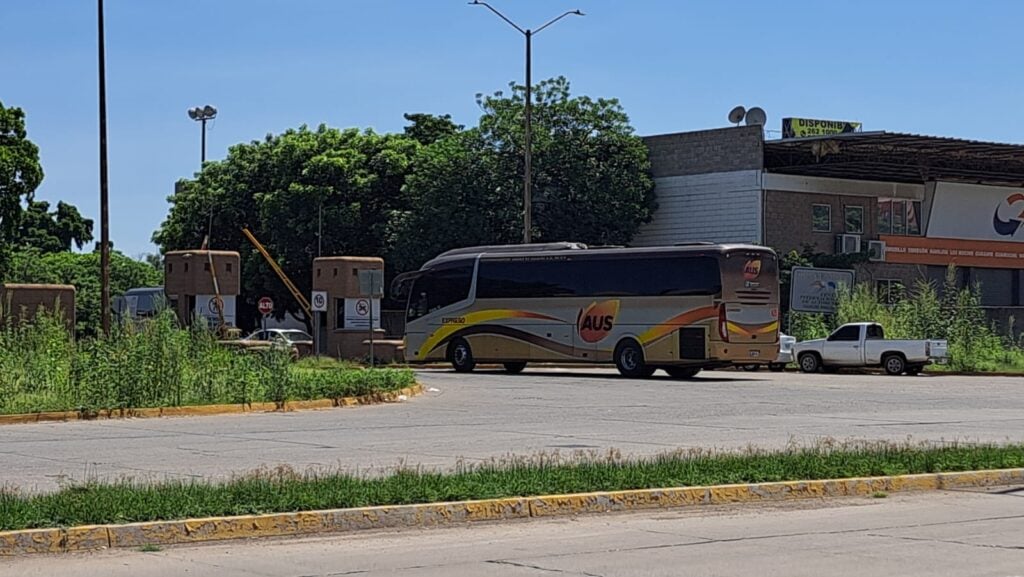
1010, 226
596, 321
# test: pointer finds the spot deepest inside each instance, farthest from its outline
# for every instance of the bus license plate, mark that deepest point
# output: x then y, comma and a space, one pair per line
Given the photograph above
755, 354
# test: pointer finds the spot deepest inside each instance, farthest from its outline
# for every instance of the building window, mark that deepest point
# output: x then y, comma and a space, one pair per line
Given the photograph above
186, 267
206, 266
854, 219
821, 218
889, 290
339, 313
170, 268
899, 217
229, 267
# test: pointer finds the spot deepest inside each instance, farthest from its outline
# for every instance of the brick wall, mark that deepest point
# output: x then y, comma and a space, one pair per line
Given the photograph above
22, 302
788, 220
704, 151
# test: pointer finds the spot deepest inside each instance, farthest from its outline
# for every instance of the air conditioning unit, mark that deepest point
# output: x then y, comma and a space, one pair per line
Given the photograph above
848, 243
876, 250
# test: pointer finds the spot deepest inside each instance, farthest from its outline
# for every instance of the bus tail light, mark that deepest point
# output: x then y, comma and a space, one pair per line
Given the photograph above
723, 324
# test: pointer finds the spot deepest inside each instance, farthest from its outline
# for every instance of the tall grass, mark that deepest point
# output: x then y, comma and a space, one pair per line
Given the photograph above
158, 364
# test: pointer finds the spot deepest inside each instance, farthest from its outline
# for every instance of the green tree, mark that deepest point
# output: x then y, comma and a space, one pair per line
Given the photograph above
590, 173
276, 188
83, 271
53, 231
429, 128
20, 175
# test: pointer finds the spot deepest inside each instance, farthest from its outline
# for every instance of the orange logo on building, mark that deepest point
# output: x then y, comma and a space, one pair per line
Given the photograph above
597, 320
752, 269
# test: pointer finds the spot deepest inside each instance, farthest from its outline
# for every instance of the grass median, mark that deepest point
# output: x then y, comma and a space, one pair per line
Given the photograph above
284, 490
158, 364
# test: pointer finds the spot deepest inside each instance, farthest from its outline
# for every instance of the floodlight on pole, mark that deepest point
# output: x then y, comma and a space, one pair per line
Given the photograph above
202, 114
527, 151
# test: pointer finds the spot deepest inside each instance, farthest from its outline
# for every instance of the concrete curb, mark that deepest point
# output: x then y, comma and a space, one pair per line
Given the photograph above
96, 537
204, 410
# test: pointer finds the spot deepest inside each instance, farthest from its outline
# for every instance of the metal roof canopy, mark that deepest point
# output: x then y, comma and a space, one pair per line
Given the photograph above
897, 157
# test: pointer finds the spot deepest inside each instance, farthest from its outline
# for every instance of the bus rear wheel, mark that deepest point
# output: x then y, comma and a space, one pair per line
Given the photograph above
461, 356
629, 359
514, 368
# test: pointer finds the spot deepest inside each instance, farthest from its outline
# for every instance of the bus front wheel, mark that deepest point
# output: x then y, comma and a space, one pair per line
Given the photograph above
629, 359
461, 356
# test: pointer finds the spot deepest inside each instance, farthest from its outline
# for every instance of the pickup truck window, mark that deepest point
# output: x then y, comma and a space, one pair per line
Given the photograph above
849, 333
875, 332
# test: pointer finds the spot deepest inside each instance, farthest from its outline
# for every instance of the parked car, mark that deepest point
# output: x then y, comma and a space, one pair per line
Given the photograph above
865, 345
785, 357
300, 342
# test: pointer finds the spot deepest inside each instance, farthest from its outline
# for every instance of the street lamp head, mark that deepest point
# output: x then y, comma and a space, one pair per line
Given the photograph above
578, 13
209, 111
193, 113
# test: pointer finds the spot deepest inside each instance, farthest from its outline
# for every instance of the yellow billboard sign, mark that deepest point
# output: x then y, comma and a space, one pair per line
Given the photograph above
804, 127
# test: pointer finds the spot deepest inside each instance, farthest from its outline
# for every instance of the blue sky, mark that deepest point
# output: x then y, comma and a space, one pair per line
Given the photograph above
933, 67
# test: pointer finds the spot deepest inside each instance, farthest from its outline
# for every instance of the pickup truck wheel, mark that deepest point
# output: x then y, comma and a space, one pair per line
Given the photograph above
810, 363
894, 364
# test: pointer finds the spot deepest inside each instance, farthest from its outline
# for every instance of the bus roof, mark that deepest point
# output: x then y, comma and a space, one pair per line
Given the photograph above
560, 248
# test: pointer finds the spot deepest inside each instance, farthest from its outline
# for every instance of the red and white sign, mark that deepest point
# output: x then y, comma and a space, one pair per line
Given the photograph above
266, 306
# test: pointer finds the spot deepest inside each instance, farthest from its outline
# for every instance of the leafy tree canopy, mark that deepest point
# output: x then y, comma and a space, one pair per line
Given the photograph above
20, 175
53, 231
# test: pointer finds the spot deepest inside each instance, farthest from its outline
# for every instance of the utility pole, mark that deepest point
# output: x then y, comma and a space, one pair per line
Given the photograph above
104, 190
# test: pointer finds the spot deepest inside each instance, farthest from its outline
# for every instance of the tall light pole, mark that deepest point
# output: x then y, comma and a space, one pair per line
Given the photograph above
202, 114
104, 189
527, 196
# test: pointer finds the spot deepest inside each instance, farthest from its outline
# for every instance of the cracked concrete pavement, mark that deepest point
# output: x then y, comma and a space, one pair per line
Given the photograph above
487, 415
977, 533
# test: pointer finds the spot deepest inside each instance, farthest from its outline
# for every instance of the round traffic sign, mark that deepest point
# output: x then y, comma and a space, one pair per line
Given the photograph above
266, 305
216, 305
319, 301
362, 307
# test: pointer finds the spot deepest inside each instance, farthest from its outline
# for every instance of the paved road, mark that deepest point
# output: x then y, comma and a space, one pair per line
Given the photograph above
920, 535
487, 415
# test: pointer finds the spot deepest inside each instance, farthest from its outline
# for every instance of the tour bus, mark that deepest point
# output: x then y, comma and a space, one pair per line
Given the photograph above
677, 308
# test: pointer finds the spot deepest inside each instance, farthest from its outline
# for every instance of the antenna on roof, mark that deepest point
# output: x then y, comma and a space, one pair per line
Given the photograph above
736, 115
756, 116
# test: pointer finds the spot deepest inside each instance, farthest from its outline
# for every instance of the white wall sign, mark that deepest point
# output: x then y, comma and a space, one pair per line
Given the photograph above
206, 308
972, 211
357, 313
813, 290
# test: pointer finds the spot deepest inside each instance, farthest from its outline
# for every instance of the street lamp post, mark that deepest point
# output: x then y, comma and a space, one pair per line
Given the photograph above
527, 186
202, 114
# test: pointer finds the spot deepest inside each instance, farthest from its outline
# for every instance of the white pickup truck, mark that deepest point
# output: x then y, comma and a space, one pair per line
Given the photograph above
865, 345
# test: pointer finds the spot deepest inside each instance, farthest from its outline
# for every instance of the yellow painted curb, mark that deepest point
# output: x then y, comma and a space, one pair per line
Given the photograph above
94, 537
204, 410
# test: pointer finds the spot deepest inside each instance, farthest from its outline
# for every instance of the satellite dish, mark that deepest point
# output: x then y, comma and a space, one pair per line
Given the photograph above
736, 114
756, 117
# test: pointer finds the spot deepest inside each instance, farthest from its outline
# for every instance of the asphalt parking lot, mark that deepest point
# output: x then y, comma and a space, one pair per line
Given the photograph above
487, 415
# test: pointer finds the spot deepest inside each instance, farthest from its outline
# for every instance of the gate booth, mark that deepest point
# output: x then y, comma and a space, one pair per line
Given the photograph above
344, 327
193, 281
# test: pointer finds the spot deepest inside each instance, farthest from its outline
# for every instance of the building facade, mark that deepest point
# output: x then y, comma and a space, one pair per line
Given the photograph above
916, 203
